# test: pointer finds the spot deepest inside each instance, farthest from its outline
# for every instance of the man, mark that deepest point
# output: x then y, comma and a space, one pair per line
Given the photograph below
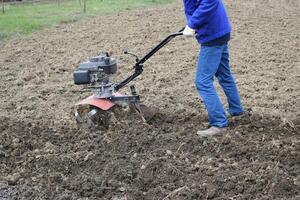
208, 22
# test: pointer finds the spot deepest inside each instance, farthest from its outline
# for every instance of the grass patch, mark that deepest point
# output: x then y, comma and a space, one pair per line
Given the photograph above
26, 18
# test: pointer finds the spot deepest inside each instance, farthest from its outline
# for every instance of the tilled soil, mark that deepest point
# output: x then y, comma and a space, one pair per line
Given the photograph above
44, 155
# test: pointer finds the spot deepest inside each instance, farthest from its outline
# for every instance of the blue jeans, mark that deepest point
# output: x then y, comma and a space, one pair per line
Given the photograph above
214, 61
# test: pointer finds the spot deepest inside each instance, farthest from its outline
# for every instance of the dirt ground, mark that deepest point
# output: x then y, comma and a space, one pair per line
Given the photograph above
44, 155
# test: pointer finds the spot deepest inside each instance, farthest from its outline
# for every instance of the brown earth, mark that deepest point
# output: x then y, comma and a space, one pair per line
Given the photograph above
43, 155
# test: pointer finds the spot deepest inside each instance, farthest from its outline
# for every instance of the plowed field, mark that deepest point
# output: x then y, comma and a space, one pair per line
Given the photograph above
44, 155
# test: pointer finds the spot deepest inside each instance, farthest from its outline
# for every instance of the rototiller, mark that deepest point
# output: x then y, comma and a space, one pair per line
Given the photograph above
96, 75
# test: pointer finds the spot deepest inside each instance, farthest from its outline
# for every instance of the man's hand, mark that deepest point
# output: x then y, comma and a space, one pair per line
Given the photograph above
189, 32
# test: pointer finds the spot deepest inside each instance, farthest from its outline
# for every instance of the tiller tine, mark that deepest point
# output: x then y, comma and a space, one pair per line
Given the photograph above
87, 119
92, 112
144, 111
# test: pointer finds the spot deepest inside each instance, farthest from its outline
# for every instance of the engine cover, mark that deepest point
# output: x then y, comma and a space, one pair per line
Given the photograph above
95, 69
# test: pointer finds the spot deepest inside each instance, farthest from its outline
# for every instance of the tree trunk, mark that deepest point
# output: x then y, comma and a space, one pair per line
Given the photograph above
84, 6
3, 11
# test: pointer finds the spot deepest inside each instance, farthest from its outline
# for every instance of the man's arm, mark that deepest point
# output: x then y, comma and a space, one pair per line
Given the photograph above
186, 6
202, 13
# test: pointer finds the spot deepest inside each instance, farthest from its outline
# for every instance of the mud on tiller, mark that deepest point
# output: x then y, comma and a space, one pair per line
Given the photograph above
96, 75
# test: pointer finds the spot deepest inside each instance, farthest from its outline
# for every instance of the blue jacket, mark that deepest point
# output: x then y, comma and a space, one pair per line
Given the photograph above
208, 18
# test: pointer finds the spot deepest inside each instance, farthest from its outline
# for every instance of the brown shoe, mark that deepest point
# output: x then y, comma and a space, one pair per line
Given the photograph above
211, 131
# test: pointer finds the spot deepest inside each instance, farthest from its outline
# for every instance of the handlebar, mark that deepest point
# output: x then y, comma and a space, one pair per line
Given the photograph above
158, 47
139, 64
